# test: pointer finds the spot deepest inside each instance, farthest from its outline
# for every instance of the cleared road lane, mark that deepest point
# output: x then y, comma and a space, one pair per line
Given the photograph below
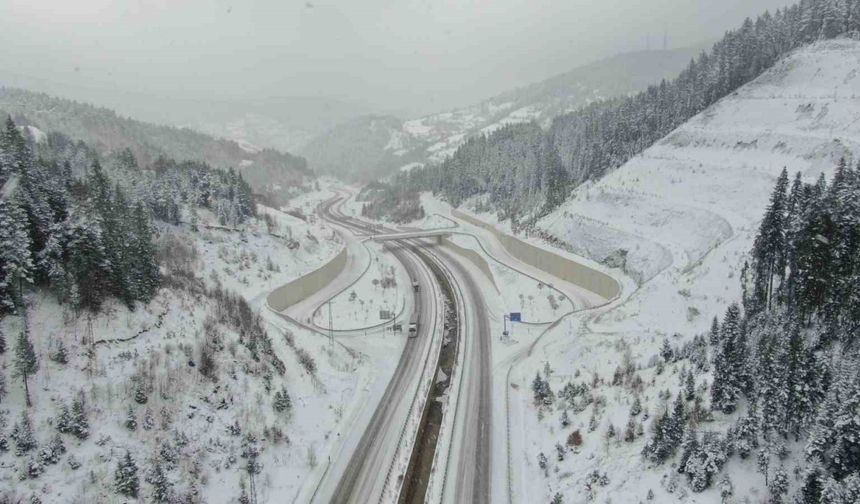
362, 479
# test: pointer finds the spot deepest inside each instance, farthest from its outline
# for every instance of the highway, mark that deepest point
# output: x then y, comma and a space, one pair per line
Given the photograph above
467, 478
364, 476
470, 474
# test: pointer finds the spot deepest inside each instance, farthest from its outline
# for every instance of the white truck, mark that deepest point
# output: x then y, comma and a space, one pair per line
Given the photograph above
413, 325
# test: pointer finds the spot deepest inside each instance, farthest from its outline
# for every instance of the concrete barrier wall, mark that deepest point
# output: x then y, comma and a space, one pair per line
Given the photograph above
476, 258
302, 288
578, 274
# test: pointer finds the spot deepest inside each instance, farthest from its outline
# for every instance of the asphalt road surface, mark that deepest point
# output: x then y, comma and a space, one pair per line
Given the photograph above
468, 480
364, 476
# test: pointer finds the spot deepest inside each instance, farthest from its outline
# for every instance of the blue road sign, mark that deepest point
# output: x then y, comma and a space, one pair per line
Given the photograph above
515, 316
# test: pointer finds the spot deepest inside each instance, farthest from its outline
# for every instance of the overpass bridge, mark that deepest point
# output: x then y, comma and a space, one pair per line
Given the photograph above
407, 235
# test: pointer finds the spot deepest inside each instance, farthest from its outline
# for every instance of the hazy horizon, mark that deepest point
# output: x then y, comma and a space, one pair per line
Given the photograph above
322, 62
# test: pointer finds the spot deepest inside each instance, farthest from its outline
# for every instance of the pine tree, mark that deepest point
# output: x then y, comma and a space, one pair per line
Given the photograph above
768, 251
835, 439
2, 343
725, 388
243, 492
53, 451
79, 425
162, 489
148, 421
689, 446
16, 264
814, 254
746, 435
251, 453
763, 462
666, 351
64, 420
705, 462
126, 481
283, 403
88, 263
130, 419
675, 428
61, 356
714, 333
140, 396
630, 431
636, 407
22, 433
26, 363
145, 275
689, 386
810, 491
779, 485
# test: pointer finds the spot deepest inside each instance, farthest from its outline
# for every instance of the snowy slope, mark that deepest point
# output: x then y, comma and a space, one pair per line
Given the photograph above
686, 212
159, 344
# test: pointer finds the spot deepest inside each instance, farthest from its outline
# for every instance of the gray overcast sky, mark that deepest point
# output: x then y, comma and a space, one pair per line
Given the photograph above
411, 56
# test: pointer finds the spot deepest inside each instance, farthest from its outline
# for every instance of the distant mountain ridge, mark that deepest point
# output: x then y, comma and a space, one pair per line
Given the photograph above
267, 170
359, 150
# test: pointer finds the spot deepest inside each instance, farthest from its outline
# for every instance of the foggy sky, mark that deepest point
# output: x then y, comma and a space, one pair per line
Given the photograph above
405, 56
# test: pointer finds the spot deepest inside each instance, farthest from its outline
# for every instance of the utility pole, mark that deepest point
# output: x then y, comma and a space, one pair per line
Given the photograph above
330, 326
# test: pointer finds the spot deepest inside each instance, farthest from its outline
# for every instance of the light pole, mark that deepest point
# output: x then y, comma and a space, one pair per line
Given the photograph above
330, 326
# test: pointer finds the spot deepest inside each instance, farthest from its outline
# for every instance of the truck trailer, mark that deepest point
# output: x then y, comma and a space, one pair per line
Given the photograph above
413, 325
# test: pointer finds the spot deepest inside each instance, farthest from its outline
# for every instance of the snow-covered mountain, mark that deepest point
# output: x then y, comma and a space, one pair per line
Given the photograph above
373, 146
684, 213
283, 123
267, 170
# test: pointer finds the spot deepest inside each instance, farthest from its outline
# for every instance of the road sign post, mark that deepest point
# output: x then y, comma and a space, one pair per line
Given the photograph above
513, 317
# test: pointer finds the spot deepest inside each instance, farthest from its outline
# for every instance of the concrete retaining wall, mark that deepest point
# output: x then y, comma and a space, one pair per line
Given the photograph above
476, 258
578, 274
302, 288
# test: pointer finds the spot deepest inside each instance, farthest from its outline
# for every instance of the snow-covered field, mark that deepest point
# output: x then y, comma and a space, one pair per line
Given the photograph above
686, 211
379, 288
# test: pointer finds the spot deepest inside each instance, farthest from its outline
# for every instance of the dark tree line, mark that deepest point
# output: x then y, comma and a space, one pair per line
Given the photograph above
392, 202
788, 359
81, 237
526, 172
170, 185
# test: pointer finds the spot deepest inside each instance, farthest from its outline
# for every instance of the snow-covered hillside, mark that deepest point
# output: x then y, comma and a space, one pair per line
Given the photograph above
685, 213
358, 149
169, 382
